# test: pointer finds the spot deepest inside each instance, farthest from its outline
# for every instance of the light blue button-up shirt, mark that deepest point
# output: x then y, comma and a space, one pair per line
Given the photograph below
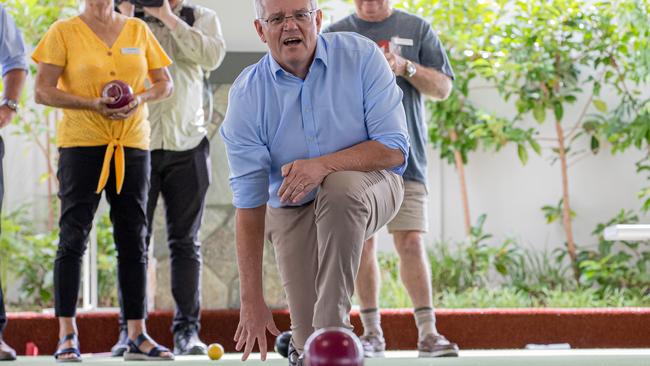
274, 118
12, 48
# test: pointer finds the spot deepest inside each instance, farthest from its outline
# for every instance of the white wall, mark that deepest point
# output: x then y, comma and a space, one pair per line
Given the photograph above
236, 23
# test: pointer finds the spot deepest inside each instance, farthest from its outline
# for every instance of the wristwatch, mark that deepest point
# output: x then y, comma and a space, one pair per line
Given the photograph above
410, 69
11, 104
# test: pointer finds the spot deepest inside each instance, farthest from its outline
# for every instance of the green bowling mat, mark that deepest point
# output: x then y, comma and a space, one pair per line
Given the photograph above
605, 357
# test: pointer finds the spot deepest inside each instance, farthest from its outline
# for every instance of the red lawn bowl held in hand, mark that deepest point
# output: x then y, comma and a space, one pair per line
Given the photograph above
120, 91
333, 347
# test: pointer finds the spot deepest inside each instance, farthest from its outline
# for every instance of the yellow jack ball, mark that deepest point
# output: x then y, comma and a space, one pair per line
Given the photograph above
215, 351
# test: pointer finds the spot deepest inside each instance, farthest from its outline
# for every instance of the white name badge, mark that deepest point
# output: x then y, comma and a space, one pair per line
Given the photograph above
402, 41
131, 51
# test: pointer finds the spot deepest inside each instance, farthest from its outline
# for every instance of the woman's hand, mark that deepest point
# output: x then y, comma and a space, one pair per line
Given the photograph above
100, 105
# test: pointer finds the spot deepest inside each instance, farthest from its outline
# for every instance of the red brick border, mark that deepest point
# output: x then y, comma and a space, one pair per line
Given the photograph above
470, 328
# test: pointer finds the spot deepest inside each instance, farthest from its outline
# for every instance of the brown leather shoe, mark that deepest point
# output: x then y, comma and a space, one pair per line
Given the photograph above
6, 353
436, 345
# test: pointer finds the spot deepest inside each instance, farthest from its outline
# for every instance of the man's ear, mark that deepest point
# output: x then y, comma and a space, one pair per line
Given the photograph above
319, 20
260, 31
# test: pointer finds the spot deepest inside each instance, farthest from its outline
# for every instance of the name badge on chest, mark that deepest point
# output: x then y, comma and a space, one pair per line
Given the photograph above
131, 50
402, 41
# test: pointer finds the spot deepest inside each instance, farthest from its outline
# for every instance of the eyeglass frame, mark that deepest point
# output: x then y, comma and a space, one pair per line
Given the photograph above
285, 17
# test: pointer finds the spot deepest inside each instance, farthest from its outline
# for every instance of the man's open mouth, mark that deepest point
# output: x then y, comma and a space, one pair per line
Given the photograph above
292, 41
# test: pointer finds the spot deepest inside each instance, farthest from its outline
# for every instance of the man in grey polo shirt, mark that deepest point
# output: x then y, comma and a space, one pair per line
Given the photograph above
420, 62
180, 157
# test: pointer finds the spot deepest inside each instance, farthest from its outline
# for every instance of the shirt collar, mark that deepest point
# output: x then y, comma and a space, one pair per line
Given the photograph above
321, 54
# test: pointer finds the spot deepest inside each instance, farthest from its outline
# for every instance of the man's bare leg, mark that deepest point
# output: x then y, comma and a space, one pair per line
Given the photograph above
416, 276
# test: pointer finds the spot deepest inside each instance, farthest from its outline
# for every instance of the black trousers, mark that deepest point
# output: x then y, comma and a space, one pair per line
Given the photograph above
78, 173
182, 178
3, 315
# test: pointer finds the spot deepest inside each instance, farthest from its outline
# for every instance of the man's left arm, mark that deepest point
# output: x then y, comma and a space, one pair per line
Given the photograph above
14, 66
428, 81
202, 43
13, 82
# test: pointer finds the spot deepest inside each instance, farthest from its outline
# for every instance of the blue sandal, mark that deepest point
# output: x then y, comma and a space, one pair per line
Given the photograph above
135, 354
71, 350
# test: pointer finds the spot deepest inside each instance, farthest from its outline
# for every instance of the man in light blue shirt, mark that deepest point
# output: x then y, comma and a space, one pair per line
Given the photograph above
316, 130
14, 67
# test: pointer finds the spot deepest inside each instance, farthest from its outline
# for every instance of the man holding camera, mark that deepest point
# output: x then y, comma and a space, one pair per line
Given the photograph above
180, 157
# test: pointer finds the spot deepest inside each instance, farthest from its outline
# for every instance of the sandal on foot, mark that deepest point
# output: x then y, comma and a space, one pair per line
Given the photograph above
70, 350
155, 354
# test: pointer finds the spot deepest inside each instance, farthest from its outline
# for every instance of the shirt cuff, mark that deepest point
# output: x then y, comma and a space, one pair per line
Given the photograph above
14, 65
247, 194
396, 144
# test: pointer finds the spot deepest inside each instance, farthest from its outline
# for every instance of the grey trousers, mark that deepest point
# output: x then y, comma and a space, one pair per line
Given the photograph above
318, 246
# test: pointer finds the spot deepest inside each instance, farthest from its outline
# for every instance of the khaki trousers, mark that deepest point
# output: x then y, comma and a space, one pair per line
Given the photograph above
318, 246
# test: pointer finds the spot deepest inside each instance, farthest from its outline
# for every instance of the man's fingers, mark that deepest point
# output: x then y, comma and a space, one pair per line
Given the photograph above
300, 195
250, 343
242, 340
293, 190
261, 340
272, 328
285, 184
286, 169
238, 332
302, 189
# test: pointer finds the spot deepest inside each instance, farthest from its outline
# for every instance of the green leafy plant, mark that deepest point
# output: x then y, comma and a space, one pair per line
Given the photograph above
616, 265
457, 126
470, 263
10, 241
536, 272
36, 123
35, 268
29, 256
557, 51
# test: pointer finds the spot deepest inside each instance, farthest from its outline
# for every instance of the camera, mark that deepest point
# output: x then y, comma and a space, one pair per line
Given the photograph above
145, 3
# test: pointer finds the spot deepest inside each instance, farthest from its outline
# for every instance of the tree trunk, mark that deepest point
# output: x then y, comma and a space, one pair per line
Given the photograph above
566, 205
460, 167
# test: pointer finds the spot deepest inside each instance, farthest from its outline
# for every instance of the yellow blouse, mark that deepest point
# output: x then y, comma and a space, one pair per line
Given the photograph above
88, 64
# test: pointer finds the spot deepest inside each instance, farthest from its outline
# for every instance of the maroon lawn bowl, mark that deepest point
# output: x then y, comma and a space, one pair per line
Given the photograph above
120, 91
333, 347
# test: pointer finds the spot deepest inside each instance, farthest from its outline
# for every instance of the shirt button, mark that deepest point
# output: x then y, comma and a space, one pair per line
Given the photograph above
112, 73
110, 53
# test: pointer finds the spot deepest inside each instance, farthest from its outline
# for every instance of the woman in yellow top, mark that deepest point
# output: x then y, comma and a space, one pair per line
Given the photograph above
102, 149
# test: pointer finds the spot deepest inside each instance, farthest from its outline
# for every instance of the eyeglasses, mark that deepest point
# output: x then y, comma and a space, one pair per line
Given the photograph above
300, 16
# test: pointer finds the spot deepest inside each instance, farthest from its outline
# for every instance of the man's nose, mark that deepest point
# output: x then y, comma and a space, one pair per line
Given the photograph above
290, 24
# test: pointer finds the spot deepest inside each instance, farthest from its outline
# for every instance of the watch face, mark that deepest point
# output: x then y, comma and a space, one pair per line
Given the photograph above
410, 69
11, 104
